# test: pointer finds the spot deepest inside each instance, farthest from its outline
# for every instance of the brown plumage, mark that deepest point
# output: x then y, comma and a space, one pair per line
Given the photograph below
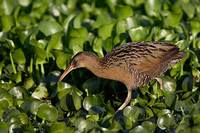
133, 64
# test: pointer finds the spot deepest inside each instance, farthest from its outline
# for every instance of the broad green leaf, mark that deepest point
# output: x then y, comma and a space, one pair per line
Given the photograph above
123, 12
24, 2
7, 22
121, 27
195, 24
55, 42
97, 46
7, 7
166, 121
4, 127
173, 20
49, 27
152, 7
105, 31
138, 34
92, 101
19, 56
60, 127
47, 112
40, 92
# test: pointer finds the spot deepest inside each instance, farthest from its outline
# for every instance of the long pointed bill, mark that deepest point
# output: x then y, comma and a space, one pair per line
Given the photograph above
69, 69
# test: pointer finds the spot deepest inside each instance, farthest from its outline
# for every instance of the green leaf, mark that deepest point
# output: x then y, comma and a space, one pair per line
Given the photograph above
49, 27
7, 22
152, 7
138, 34
195, 24
7, 6
19, 57
55, 42
60, 127
97, 46
47, 112
79, 33
91, 101
105, 31
121, 27
166, 121
40, 92
169, 84
24, 3
123, 12
173, 20
4, 127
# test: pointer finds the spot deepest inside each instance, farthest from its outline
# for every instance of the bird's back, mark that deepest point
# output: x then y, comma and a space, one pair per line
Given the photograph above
144, 61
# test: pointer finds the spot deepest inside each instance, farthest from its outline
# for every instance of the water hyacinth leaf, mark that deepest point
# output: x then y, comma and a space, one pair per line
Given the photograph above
152, 7
55, 42
4, 127
84, 125
150, 126
105, 31
121, 26
123, 12
97, 46
41, 53
79, 33
189, 9
18, 56
49, 27
195, 24
60, 127
31, 105
166, 121
7, 23
61, 58
77, 101
139, 129
173, 20
28, 83
169, 98
76, 44
6, 96
18, 92
107, 45
187, 84
91, 86
133, 113
24, 2
47, 112
7, 6
169, 84
67, 22
40, 92
138, 34
91, 101
103, 18
78, 21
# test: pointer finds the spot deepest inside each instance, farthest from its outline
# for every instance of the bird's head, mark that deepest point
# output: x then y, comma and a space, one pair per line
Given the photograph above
81, 59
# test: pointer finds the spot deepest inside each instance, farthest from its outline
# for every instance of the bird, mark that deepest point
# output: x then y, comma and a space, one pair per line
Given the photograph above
133, 64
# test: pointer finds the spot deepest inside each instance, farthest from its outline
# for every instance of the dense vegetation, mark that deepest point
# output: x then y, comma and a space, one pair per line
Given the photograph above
39, 37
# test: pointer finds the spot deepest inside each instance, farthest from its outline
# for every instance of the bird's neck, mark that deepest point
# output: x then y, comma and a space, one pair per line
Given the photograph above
95, 66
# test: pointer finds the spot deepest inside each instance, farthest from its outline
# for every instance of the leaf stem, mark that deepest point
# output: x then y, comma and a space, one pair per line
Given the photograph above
12, 63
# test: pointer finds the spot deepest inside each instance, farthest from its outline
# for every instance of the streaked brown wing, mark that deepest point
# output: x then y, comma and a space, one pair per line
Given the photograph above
156, 59
150, 58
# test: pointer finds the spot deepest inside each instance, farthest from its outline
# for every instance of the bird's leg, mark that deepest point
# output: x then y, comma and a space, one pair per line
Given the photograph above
160, 82
128, 98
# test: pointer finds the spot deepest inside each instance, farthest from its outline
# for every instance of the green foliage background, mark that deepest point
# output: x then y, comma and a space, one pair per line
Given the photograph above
39, 37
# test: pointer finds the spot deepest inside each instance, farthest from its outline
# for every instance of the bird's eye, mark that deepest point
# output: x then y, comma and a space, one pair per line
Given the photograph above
74, 62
